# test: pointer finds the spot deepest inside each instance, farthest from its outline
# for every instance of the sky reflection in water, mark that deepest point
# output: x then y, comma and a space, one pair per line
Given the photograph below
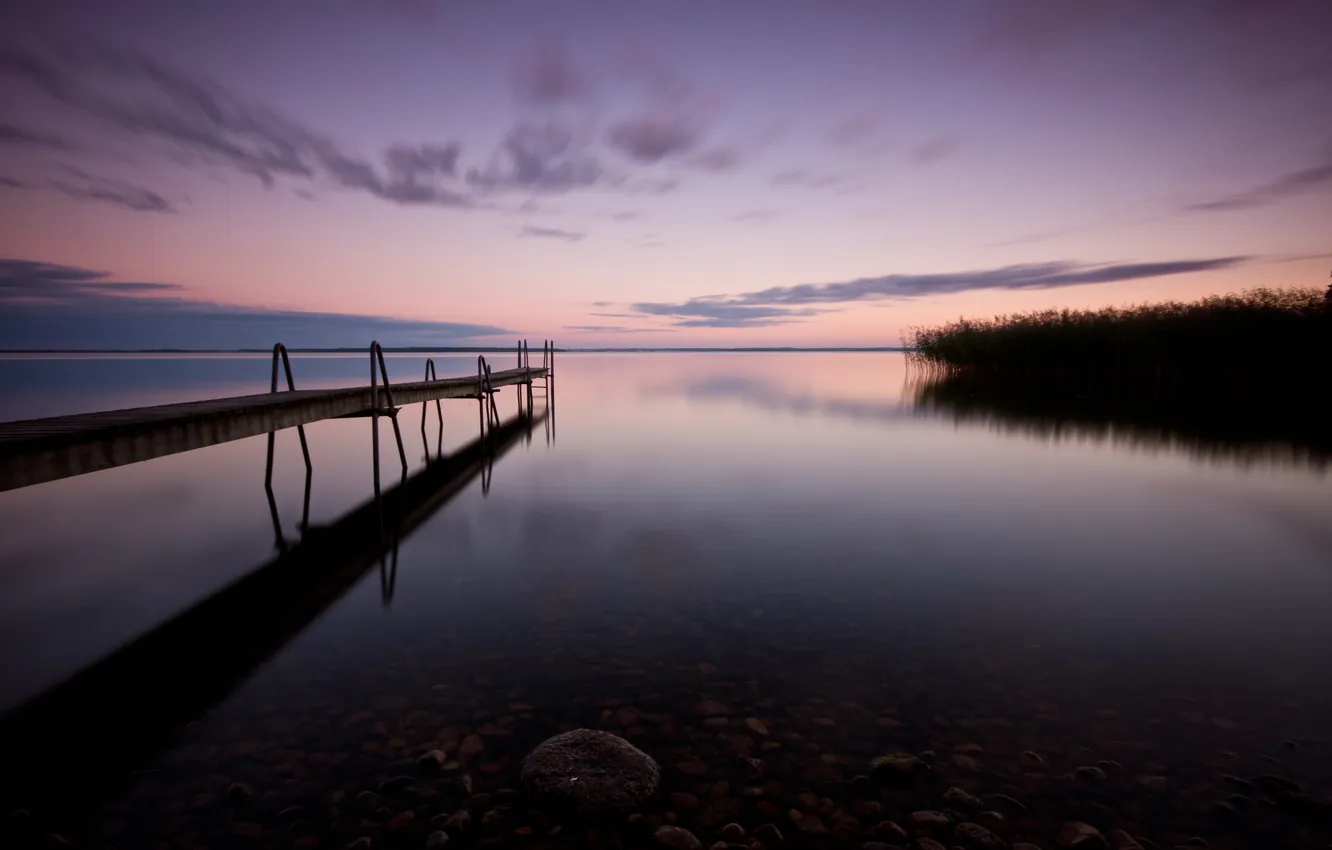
680, 482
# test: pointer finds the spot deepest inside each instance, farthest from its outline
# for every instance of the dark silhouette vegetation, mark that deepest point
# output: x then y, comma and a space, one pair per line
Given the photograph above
1281, 334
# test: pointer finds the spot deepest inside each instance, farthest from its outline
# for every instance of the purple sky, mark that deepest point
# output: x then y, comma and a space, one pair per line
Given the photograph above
746, 172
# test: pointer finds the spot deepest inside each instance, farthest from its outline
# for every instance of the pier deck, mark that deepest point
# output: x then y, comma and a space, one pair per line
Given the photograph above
39, 450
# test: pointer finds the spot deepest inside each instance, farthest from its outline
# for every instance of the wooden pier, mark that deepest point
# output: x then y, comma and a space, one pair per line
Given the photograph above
39, 450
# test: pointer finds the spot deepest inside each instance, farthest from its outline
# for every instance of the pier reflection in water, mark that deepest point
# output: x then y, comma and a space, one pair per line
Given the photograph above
114, 715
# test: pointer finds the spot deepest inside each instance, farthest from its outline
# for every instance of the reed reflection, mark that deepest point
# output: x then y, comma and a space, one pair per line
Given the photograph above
1248, 424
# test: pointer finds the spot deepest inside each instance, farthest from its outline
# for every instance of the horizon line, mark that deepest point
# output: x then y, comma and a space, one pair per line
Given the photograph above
418, 349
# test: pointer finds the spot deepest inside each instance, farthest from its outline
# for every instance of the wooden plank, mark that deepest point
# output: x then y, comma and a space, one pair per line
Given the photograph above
39, 450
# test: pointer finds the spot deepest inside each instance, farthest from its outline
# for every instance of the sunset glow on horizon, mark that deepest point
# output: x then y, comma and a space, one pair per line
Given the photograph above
740, 173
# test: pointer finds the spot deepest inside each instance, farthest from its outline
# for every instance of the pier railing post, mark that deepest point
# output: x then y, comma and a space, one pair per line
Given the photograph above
377, 363
432, 375
280, 353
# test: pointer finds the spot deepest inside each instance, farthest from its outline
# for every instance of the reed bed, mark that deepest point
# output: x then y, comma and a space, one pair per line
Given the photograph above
1286, 331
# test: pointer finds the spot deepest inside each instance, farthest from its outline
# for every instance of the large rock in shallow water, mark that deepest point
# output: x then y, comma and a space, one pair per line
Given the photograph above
590, 772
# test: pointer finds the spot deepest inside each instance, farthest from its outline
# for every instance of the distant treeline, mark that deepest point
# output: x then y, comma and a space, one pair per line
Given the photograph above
1259, 330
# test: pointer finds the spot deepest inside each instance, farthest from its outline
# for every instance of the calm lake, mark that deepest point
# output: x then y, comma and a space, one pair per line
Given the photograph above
690, 542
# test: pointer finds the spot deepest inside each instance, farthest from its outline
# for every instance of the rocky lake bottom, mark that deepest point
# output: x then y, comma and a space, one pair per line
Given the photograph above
767, 732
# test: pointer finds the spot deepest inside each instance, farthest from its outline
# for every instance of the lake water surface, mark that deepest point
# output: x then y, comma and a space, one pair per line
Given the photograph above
696, 540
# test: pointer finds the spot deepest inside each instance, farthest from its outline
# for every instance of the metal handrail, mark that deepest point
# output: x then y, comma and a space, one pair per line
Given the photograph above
280, 353
432, 375
377, 359
485, 391
280, 350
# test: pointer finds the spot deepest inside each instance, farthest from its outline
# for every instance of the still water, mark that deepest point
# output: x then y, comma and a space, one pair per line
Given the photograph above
792, 538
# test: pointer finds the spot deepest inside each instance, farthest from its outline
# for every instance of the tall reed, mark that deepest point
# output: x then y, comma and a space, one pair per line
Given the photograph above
1253, 331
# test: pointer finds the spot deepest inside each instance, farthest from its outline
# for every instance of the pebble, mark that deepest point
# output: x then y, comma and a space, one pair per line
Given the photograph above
401, 819
1031, 760
812, 824
1123, 841
966, 762
365, 842
1007, 802
1090, 773
438, 838
960, 799
684, 800
890, 831
237, 791
928, 819
897, 767
677, 838
927, 844
992, 820
867, 808
471, 745
459, 821
975, 835
693, 768
756, 726
1022, 845
432, 760
626, 716
732, 832
249, 829
769, 835
846, 828
1078, 834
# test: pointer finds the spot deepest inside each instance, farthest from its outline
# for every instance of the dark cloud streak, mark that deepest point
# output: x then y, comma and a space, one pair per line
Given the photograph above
538, 157
1286, 186
782, 304
932, 150
616, 329
652, 138
14, 135
116, 193
203, 122
551, 233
